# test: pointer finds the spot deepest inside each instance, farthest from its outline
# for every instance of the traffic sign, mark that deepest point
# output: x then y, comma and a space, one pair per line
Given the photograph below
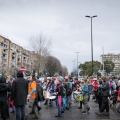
22, 69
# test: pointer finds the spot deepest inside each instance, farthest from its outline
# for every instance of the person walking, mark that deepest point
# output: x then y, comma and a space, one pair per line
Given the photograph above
95, 89
4, 88
32, 99
59, 94
85, 96
99, 94
19, 95
105, 95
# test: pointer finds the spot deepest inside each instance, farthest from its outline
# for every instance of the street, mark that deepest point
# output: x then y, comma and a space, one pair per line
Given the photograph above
49, 113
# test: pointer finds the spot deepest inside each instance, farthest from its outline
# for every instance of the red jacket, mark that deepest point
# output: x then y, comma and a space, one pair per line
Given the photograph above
95, 85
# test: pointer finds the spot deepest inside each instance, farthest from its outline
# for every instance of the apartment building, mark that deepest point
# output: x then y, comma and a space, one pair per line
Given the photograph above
13, 56
115, 58
4, 54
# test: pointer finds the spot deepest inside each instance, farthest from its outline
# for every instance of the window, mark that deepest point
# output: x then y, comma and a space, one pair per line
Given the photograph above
13, 45
4, 55
4, 40
13, 57
18, 59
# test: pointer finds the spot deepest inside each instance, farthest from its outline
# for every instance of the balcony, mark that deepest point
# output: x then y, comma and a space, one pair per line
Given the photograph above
2, 45
4, 51
19, 57
4, 57
4, 65
13, 50
13, 55
19, 54
13, 63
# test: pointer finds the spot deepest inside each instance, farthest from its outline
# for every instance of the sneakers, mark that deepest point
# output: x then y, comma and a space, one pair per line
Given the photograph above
12, 111
62, 111
35, 117
84, 112
57, 116
106, 113
79, 107
88, 109
32, 112
45, 103
99, 113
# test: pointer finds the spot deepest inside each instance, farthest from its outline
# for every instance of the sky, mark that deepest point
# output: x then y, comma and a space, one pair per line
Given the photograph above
65, 23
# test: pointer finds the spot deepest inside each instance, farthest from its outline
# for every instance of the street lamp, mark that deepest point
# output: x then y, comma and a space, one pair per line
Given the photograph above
103, 61
91, 40
77, 65
74, 65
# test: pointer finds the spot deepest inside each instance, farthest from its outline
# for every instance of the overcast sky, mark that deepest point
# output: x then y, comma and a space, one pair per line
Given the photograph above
65, 23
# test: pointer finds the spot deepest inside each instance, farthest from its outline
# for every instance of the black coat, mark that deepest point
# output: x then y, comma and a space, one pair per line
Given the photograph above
4, 88
105, 89
39, 94
19, 91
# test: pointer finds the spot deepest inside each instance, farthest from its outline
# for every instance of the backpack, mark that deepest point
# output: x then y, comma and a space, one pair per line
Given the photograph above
69, 91
39, 93
90, 87
64, 92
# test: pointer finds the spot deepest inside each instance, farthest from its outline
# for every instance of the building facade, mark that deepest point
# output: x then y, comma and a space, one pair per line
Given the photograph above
115, 58
13, 56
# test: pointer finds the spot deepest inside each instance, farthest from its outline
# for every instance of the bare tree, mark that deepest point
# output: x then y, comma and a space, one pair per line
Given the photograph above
41, 45
64, 71
53, 66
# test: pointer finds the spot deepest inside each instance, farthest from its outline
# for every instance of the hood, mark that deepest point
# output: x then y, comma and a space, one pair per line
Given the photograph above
2, 79
19, 74
3, 86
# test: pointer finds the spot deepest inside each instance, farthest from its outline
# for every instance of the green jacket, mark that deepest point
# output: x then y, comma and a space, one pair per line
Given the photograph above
85, 89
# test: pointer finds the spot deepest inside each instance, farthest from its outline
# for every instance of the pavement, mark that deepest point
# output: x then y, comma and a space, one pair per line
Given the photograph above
49, 113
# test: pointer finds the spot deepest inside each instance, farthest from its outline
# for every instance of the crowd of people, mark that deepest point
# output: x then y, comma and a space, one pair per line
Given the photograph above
23, 96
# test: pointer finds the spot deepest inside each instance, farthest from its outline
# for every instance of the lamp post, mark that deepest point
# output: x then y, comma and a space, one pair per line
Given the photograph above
103, 61
77, 65
74, 65
91, 40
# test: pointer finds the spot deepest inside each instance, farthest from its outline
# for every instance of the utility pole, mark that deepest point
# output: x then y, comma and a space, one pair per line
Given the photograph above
103, 61
77, 66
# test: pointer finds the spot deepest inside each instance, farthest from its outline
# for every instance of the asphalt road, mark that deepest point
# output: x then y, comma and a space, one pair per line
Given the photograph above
48, 113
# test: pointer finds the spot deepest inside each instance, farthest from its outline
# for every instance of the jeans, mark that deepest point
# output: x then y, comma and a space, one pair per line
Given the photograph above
68, 102
64, 103
59, 108
20, 112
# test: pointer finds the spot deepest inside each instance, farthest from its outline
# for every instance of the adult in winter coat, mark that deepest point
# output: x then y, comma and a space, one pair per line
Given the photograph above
85, 96
32, 99
99, 94
105, 95
95, 88
118, 94
4, 88
19, 95
59, 94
